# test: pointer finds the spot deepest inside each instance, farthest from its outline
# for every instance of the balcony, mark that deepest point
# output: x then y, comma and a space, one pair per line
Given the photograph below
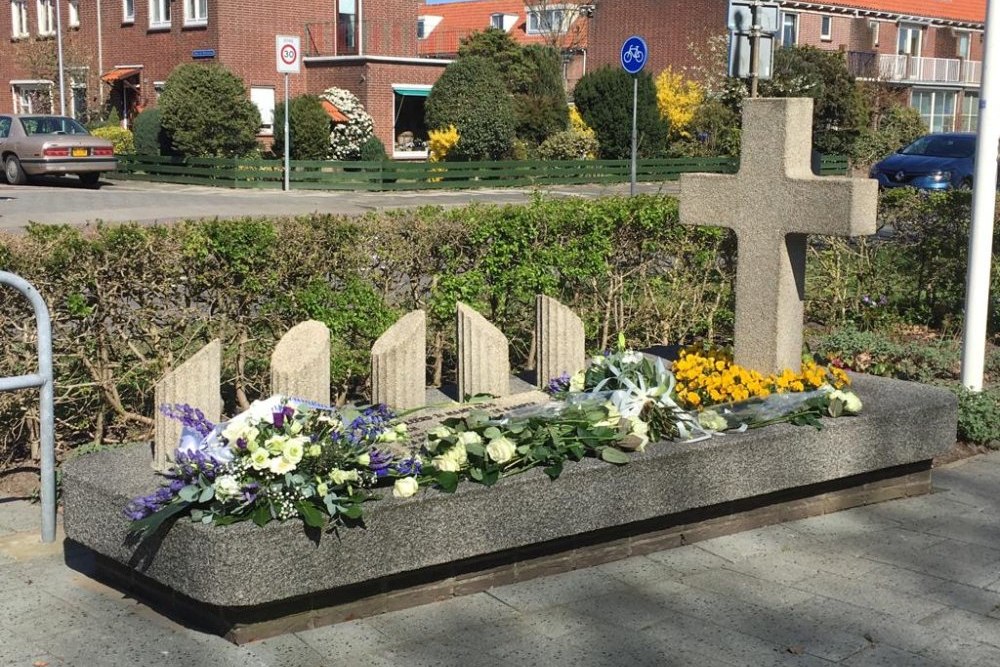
914, 69
379, 38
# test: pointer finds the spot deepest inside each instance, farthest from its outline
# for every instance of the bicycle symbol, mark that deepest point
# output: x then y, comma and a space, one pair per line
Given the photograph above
634, 53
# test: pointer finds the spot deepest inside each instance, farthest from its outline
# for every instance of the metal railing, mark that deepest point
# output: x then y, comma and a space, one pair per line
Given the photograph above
46, 411
914, 69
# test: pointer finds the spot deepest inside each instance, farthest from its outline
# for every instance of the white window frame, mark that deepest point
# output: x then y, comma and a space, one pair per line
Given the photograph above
159, 14
19, 19
496, 21
556, 22
264, 99
421, 28
128, 11
874, 26
826, 28
966, 37
19, 88
46, 17
908, 49
195, 12
73, 7
795, 28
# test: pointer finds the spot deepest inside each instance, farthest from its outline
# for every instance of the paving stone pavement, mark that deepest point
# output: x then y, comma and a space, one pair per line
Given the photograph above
911, 582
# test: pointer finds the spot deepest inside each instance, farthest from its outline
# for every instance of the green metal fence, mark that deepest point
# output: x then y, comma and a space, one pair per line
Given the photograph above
390, 175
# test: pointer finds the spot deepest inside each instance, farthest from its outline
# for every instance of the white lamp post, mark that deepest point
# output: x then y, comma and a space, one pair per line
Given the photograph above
59, 61
977, 293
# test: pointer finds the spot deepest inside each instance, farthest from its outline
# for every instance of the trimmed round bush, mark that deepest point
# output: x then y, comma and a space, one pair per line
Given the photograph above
308, 129
373, 150
472, 96
206, 112
150, 139
604, 99
122, 138
569, 145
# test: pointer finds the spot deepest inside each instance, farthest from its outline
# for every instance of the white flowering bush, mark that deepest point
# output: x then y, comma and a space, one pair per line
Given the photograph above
347, 138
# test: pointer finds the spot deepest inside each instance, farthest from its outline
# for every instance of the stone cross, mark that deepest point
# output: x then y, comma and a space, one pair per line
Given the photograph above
195, 383
772, 203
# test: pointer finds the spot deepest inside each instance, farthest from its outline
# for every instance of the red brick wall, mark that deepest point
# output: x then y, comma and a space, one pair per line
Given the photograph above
668, 26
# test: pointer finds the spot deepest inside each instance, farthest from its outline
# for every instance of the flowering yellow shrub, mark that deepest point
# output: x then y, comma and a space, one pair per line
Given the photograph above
677, 99
440, 143
708, 377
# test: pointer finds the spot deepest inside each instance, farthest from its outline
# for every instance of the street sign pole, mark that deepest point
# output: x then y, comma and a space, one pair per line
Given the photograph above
635, 114
633, 58
754, 47
288, 162
289, 56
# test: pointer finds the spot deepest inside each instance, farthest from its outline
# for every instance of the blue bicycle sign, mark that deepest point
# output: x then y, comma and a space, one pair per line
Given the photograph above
634, 53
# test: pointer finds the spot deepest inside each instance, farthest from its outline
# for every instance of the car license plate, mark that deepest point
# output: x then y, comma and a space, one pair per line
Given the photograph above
80, 152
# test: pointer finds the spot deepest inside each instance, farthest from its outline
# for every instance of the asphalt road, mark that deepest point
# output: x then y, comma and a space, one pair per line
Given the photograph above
65, 201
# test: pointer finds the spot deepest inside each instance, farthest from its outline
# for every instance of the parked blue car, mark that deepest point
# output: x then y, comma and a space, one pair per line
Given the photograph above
939, 161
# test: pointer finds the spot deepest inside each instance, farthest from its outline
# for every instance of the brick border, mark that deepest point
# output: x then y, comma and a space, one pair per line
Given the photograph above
246, 624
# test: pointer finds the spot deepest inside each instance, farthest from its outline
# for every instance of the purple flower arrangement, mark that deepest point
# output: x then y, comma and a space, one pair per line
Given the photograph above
280, 459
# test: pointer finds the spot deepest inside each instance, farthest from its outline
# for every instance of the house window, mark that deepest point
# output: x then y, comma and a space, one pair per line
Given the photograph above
263, 98
32, 97
874, 25
909, 41
826, 28
789, 29
409, 129
546, 21
347, 27
74, 13
19, 18
78, 100
496, 21
128, 11
936, 107
970, 112
421, 29
159, 13
963, 43
46, 17
195, 12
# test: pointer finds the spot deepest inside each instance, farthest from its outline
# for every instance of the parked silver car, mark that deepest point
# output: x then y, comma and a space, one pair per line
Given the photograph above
34, 144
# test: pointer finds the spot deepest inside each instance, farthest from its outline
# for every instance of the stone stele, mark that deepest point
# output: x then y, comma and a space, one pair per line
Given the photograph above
561, 340
483, 356
399, 358
196, 382
300, 363
772, 203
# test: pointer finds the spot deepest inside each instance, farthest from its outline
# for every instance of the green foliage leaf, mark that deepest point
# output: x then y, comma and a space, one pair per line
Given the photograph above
261, 514
616, 456
447, 481
206, 494
189, 493
554, 470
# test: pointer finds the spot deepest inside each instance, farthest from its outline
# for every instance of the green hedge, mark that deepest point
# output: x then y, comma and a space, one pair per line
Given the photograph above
130, 301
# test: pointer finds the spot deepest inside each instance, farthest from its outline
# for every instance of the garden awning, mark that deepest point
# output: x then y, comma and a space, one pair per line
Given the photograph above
335, 114
120, 73
412, 91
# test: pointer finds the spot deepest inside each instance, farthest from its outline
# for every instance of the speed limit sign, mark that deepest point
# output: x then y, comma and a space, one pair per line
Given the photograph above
288, 54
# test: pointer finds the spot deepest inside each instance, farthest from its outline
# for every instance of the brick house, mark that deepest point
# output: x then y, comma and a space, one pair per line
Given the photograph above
442, 26
120, 52
390, 52
931, 51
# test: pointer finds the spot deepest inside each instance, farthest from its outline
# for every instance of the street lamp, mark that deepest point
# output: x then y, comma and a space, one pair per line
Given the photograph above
59, 60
